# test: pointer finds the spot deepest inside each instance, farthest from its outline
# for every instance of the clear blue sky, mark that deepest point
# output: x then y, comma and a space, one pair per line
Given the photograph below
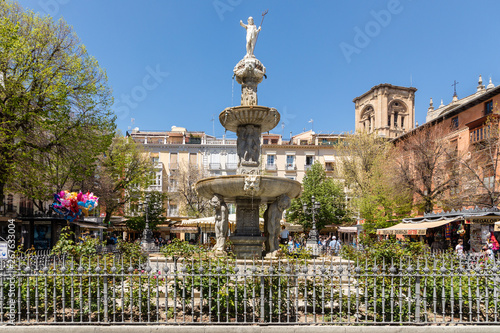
426, 43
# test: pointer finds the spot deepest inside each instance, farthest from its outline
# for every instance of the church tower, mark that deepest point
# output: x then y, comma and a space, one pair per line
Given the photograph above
386, 109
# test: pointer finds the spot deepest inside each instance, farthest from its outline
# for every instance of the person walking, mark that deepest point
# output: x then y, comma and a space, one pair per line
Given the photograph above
335, 245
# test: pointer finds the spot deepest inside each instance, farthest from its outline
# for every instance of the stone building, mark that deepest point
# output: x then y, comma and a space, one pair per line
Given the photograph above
386, 109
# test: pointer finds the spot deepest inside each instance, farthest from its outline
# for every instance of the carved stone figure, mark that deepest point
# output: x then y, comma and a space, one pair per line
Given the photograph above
272, 218
252, 33
248, 145
221, 221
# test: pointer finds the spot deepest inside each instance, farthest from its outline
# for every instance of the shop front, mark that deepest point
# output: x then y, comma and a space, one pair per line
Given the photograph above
441, 231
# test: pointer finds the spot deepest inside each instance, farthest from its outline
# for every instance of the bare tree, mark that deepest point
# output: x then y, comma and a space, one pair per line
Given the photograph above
190, 203
426, 165
480, 162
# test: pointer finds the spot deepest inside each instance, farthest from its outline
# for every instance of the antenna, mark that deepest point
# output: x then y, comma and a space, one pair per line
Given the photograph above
312, 124
213, 125
282, 129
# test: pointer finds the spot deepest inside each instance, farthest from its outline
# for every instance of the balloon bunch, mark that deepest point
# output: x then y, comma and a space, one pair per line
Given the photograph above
72, 205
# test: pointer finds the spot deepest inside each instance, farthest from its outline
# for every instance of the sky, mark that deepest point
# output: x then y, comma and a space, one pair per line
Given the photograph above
170, 62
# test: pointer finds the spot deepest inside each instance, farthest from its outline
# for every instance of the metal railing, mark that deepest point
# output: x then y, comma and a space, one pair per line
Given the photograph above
202, 290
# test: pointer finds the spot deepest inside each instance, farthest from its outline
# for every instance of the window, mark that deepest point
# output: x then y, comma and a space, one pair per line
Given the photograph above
309, 160
389, 120
155, 159
270, 165
489, 177
454, 148
173, 210
303, 142
395, 119
489, 182
488, 107
402, 122
266, 141
454, 123
290, 162
274, 141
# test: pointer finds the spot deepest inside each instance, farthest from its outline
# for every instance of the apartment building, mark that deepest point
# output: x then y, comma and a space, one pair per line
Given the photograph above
293, 157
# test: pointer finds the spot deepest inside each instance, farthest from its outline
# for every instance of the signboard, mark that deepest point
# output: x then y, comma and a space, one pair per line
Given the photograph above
4, 250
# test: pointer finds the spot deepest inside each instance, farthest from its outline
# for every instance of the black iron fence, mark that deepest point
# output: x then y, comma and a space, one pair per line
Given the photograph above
107, 288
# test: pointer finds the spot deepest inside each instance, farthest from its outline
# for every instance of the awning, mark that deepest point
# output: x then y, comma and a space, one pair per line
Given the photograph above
413, 228
210, 221
185, 230
348, 229
329, 158
89, 225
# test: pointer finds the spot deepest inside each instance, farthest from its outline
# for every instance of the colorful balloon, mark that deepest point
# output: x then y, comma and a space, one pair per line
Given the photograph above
72, 205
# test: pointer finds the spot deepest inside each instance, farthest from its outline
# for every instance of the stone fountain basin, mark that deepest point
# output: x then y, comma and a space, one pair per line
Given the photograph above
263, 116
232, 187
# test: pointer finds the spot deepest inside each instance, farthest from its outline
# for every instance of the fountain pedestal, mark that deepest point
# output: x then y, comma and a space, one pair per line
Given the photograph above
247, 238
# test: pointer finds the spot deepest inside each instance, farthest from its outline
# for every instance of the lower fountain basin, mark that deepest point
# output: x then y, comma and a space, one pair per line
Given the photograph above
233, 187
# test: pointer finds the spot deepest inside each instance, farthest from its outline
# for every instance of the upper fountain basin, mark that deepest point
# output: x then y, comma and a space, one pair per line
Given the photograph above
233, 187
263, 116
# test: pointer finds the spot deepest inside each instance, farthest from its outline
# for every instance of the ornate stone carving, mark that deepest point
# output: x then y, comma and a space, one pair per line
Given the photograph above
252, 184
221, 221
272, 218
249, 73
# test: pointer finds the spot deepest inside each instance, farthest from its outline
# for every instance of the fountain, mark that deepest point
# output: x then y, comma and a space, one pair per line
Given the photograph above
248, 189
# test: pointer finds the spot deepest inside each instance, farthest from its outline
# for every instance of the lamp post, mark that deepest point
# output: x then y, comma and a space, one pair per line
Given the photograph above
312, 240
147, 235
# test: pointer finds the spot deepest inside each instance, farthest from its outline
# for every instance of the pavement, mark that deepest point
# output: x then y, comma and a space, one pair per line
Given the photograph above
246, 329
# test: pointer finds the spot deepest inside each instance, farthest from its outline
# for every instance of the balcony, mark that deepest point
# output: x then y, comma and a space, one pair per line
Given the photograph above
271, 167
155, 188
214, 166
307, 167
291, 167
158, 165
231, 166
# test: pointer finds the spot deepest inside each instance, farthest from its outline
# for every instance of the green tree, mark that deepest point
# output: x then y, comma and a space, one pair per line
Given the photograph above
365, 165
328, 192
122, 173
155, 211
52, 93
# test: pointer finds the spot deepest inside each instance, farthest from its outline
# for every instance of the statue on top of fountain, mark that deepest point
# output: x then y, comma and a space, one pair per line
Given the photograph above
252, 33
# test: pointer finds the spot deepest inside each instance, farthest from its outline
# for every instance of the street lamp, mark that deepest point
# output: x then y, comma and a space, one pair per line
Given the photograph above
312, 240
147, 234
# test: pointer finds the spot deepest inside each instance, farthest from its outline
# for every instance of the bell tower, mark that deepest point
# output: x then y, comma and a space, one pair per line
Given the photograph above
386, 109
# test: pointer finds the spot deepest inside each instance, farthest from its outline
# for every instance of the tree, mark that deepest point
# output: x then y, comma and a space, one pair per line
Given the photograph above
52, 92
328, 192
156, 211
365, 165
122, 173
40, 174
423, 166
191, 204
